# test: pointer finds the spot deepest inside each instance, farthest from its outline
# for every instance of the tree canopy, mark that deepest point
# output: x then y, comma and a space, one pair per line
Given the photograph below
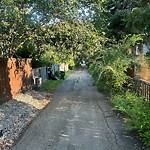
73, 29
104, 33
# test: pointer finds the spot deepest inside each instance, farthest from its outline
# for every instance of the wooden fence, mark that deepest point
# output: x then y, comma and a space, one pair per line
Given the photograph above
142, 88
15, 77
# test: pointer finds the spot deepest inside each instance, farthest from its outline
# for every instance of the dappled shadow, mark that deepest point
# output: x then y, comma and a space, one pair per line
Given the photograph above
23, 72
15, 77
5, 88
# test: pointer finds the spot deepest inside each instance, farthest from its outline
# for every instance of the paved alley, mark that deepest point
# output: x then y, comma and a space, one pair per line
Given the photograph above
78, 118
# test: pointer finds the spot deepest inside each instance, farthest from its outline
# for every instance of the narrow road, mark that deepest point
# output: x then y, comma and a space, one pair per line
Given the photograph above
78, 118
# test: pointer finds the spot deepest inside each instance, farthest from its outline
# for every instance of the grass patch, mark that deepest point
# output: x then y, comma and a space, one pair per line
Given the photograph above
51, 85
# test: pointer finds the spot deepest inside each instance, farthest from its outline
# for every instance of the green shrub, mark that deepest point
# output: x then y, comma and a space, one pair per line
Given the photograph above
109, 72
137, 112
94, 71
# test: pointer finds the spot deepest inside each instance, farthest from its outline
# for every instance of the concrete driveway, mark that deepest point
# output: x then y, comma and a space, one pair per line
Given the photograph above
78, 118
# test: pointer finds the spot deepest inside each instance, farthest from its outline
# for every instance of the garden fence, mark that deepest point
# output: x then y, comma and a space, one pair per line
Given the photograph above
142, 88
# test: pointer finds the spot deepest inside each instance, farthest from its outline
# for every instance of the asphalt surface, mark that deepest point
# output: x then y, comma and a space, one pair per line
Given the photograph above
78, 118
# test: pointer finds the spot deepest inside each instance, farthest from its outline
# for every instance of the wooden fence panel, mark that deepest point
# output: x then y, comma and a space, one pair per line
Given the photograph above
142, 88
15, 76
5, 91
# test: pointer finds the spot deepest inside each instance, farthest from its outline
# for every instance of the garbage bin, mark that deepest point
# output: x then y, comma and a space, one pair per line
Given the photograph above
62, 75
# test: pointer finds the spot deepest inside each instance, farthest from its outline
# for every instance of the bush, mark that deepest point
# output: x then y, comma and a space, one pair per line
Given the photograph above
137, 112
94, 71
110, 72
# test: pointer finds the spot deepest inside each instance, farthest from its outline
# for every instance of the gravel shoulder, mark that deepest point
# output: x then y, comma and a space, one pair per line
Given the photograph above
18, 113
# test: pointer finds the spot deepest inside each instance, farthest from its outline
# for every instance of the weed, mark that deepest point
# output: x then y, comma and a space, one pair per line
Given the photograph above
137, 113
